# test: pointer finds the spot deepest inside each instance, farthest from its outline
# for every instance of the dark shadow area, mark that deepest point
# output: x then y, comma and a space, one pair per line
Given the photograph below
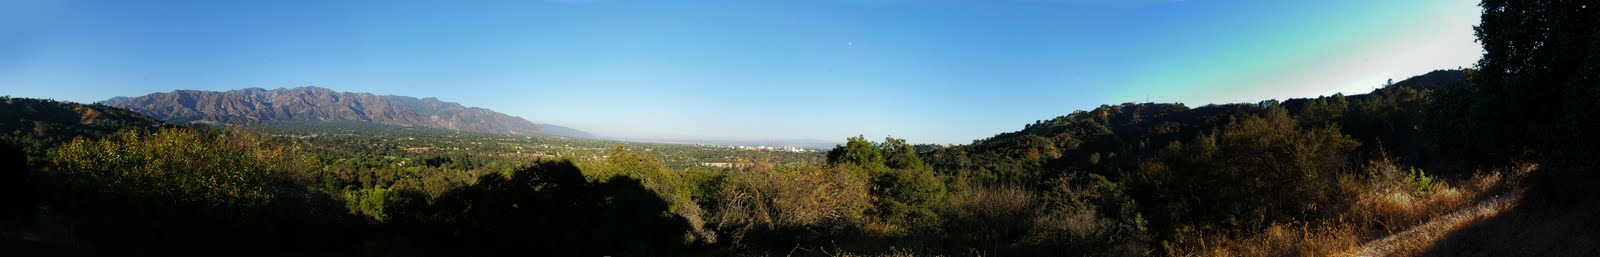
18, 197
548, 208
13, 247
1558, 217
300, 223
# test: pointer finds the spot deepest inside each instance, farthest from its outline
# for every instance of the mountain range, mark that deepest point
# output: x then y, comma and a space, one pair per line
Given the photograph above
257, 105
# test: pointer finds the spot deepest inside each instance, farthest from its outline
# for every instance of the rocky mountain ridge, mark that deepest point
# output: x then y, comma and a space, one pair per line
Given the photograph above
255, 105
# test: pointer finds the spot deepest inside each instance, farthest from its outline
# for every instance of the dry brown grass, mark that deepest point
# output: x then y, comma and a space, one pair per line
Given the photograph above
1283, 240
1383, 217
1420, 238
1407, 224
893, 252
1392, 209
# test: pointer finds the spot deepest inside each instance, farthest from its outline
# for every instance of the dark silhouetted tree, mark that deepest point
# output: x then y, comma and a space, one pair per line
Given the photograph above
1536, 91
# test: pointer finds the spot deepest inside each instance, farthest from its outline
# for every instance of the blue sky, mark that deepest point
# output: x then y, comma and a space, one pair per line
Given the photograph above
929, 71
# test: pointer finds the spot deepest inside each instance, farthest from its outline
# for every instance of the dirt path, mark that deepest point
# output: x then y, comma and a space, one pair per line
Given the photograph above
1427, 233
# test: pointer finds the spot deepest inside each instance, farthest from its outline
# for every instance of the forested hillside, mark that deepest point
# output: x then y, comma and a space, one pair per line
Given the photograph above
39, 124
1179, 174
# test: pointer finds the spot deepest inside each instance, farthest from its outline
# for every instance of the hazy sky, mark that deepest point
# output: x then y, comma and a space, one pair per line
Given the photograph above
929, 71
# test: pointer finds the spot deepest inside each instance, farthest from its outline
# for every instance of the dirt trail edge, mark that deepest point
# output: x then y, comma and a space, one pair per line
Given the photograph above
1427, 233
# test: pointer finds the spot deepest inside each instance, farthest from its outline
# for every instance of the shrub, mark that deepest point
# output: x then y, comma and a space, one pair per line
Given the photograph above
905, 191
678, 190
183, 166
177, 190
988, 218
758, 203
368, 202
1419, 183
1257, 171
1087, 215
906, 198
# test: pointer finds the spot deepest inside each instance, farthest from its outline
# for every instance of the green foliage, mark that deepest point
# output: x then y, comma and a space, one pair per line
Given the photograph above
182, 166
1102, 141
990, 218
678, 190
366, 146
907, 197
905, 192
1258, 170
759, 204
187, 190
858, 151
36, 124
368, 202
899, 155
1419, 183
1391, 120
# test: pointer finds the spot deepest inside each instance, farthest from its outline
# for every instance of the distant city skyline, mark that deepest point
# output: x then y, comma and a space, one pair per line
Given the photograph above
944, 72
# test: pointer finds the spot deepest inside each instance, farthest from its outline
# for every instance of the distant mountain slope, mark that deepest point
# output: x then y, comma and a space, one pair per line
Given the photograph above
254, 105
42, 123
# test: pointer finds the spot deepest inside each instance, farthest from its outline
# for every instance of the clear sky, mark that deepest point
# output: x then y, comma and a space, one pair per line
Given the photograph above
929, 71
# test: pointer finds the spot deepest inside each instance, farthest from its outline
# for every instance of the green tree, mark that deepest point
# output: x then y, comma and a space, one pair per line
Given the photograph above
899, 155
1258, 170
904, 190
187, 190
856, 150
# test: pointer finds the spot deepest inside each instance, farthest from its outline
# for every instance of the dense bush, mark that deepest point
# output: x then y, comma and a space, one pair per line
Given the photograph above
680, 188
989, 218
1256, 171
180, 190
905, 192
759, 205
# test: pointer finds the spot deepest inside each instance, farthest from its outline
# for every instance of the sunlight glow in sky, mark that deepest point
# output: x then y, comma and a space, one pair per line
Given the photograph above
929, 71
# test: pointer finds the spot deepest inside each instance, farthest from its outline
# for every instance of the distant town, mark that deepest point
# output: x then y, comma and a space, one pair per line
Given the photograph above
792, 149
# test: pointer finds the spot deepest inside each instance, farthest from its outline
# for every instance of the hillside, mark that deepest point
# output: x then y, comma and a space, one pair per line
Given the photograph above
1115, 137
255, 105
41, 123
